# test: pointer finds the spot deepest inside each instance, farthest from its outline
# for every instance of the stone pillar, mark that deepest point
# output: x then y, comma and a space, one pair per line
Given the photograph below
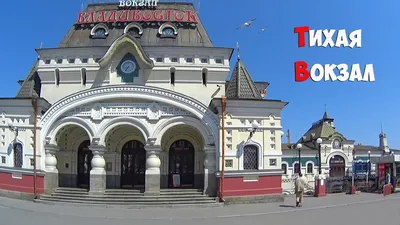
153, 163
51, 177
98, 172
210, 182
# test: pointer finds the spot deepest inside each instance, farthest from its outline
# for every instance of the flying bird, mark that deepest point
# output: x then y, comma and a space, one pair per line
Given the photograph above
248, 23
263, 29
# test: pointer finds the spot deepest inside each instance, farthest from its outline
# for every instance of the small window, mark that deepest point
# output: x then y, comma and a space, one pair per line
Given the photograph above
189, 60
59, 61
3, 160
310, 168
272, 124
284, 168
272, 146
32, 162
83, 73
168, 32
272, 162
159, 59
296, 168
71, 60
57, 76
272, 139
204, 60
218, 61
85, 60
172, 76
204, 77
174, 60
134, 31
99, 33
229, 163
47, 61
18, 160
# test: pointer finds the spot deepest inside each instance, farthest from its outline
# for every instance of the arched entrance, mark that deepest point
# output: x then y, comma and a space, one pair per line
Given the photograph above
337, 166
181, 165
84, 164
133, 164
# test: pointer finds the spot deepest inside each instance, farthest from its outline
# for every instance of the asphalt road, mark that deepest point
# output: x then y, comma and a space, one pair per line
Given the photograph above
363, 209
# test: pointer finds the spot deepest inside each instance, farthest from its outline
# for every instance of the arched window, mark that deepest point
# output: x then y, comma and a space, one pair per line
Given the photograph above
83, 73
18, 159
134, 29
336, 144
296, 168
250, 157
57, 76
284, 168
100, 31
172, 76
204, 76
310, 168
168, 30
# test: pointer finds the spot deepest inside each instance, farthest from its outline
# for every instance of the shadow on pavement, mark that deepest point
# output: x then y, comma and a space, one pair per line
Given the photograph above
287, 206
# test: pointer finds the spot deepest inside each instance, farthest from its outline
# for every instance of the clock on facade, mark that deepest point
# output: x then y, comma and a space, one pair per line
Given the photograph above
128, 66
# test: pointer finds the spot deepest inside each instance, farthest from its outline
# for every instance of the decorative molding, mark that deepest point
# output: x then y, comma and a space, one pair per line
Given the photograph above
129, 109
100, 25
153, 112
97, 112
134, 25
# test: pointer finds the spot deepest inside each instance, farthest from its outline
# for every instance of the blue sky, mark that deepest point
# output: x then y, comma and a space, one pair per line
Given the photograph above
358, 108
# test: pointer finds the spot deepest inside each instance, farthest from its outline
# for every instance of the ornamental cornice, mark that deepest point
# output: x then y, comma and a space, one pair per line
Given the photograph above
116, 89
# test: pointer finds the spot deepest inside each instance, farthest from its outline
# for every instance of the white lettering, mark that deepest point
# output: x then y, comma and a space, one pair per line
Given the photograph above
315, 38
329, 72
355, 38
343, 71
314, 76
369, 74
318, 72
140, 3
341, 39
329, 38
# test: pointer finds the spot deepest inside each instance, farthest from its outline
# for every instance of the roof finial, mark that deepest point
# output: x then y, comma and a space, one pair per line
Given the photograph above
325, 108
381, 128
41, 44
238, 50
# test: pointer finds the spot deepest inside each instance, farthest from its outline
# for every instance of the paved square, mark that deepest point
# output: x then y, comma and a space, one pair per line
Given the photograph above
332, 210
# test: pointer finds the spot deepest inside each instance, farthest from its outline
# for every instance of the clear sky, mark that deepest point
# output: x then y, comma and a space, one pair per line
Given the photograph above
358, 108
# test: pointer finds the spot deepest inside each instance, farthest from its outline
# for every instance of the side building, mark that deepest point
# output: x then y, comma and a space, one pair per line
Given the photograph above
132, 99
337, 154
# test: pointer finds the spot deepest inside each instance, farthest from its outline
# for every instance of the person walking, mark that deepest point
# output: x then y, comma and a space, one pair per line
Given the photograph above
299, 187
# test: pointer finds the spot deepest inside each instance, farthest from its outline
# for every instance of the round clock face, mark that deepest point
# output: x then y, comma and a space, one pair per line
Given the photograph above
128, 66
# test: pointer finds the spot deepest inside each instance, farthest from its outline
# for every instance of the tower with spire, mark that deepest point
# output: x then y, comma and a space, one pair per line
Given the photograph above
383, 144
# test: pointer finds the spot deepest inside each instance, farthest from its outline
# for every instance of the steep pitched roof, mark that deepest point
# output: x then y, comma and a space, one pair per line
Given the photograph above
241, 85
189, 35
31, 86
320, 129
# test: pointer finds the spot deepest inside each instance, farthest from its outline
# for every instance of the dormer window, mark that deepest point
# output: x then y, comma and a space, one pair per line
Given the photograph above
100, 31
134, 29
218, 61
59, 61
47, 61
174, 59
204, 60
71, 61
168, 30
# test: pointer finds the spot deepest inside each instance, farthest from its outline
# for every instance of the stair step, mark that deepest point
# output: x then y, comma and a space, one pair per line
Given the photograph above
124, 190
133, 201
71, 189
181, 193
181, 190
128, 196
136, 204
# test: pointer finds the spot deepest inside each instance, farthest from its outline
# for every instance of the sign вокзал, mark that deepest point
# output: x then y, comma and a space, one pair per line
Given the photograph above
129, 12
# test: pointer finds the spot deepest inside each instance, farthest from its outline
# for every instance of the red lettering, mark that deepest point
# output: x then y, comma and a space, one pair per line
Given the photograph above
101, 16
301, 35
178, 16
169, 15
91, 16
112, 17
81, 18
146, 16
158, 16
135, 15
191, 16
301, 73
123, 16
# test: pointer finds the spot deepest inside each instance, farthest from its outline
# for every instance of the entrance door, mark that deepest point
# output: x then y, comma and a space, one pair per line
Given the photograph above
84, 164
133, 161
337, 166
181, 164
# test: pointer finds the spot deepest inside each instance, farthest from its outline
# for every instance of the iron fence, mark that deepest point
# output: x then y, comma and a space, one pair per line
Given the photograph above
343, 184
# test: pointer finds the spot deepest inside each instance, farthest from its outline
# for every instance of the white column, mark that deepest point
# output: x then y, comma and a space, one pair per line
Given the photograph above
98, 172
153, 163
210, 182
51, 177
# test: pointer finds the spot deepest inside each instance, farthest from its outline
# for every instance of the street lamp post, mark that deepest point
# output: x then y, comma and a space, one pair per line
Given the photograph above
368, 168
299, 146
353, 188
319, 141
